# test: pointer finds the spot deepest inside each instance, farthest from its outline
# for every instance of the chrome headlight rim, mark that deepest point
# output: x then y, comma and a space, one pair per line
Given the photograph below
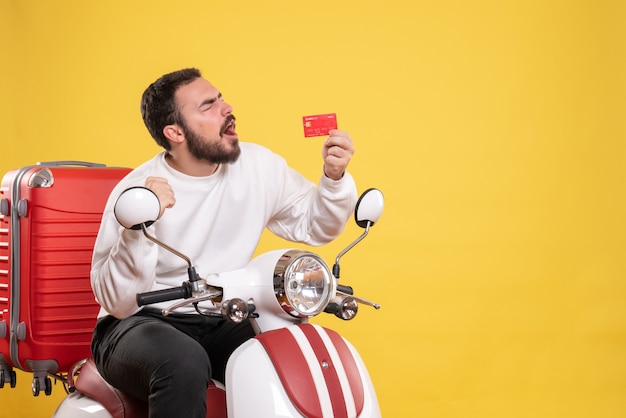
303, 294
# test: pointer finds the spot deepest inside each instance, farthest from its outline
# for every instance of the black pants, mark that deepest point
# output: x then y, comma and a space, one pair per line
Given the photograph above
167, 361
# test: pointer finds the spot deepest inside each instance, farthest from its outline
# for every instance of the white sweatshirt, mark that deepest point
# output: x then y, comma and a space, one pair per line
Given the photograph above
217, 222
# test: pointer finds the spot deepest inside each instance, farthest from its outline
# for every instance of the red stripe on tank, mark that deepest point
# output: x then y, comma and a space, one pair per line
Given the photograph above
293, 370
333, 384
351, 369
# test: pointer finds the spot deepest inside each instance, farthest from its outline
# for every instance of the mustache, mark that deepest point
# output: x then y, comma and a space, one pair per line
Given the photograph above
229, 119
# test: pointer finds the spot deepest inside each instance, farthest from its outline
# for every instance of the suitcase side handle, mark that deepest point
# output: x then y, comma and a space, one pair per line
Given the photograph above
70, 163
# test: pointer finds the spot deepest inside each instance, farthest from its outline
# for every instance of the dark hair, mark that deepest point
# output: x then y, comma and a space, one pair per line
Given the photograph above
158, 107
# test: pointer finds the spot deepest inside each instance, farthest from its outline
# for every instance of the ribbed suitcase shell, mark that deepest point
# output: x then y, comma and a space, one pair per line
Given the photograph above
50, 216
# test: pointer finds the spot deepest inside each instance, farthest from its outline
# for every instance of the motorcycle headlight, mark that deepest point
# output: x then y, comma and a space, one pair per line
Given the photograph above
303, 283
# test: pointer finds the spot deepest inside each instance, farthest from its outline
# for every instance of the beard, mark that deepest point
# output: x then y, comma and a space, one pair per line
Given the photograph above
214, 152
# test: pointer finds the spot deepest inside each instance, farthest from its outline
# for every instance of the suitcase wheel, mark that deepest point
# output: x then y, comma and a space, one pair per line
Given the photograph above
37, 383
12, 378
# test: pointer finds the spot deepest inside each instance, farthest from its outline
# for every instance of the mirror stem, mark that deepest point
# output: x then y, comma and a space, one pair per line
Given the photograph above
336, 268
162, 245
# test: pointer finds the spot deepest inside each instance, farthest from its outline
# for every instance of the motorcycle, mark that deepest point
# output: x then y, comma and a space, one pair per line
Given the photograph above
291, 368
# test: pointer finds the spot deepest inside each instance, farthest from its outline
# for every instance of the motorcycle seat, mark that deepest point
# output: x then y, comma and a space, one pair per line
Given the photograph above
121, 405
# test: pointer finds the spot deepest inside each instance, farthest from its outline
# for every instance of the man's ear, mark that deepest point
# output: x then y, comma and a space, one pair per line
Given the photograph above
174, 133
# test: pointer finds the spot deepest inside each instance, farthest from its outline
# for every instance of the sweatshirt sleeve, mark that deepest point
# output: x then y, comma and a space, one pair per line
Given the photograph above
314, 215
123, 264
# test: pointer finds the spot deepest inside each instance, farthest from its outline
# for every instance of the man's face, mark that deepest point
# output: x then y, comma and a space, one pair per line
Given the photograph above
207, 122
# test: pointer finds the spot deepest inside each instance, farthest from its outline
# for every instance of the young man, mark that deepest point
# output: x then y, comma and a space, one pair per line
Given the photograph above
217, 195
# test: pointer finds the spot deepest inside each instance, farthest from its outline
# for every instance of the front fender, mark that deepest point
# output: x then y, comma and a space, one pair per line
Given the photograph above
301, 370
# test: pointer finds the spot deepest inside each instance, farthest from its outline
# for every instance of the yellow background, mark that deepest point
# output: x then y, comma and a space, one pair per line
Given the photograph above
495, 130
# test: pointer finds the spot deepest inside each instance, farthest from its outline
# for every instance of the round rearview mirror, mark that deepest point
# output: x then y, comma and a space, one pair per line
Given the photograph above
369, 208
137, 206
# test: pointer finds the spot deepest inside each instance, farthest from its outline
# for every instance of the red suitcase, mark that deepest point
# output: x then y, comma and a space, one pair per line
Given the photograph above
49, 217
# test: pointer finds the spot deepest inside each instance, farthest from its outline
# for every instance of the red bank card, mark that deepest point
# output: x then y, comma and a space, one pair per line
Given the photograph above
319, 125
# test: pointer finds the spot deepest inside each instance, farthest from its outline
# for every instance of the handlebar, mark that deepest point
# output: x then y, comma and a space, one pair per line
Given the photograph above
147, 298
345, 289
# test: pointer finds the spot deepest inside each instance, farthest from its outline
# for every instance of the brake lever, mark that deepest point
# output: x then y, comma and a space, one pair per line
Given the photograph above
360, 300
190, 301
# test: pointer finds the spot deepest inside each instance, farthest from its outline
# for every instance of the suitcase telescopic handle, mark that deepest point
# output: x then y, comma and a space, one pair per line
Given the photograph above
70, 163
